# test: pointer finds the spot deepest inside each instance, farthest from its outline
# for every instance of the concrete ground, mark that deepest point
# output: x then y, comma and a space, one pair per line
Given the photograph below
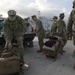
47, 66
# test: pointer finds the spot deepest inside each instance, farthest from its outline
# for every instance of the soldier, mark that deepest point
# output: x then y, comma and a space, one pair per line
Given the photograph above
39, 31
14, 27
61, 30
71, 22
54, 26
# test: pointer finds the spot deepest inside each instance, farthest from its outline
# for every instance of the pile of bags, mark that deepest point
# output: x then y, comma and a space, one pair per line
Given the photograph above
11, 62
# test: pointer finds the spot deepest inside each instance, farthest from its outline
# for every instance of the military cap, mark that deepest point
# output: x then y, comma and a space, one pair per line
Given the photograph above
26, 19
33, 16
61, 14
55, 17
11, 12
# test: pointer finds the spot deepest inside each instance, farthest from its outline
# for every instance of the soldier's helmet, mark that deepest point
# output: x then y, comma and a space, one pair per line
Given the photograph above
11, 12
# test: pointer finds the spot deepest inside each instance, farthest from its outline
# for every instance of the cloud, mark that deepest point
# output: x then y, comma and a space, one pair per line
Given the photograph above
44, 6
5, 5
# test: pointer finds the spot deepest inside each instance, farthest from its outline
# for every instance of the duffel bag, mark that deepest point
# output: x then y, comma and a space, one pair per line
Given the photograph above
11, 62
9, 65
52, 47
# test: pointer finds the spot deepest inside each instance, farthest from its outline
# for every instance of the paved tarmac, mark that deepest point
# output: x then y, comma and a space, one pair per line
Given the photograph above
47, 66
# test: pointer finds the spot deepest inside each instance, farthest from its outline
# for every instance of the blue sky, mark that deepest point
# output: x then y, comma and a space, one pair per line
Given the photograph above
27, 8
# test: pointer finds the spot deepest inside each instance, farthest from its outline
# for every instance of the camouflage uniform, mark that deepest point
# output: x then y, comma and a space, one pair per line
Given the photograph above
40, 33
71, 21
54, 28
61, 31
15, 28
69, 36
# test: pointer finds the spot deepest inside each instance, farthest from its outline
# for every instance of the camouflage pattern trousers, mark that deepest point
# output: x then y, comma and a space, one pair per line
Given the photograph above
40, 41
74, 44
19, 39
64, 39
69, 36
74, 38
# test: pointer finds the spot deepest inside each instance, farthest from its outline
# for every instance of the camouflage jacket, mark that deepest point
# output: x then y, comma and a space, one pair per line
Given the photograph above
16, 27
39, 29
58, 28
71, 21
54, 28
61, 27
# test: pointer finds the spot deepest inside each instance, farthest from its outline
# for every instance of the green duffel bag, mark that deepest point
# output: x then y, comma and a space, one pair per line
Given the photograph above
10, 65
53, 48
8, 53
12, 62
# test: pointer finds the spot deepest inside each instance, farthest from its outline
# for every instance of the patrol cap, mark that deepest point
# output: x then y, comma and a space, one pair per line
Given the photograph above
55, 17
33, 16
11, 12
61, 14
26, 19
